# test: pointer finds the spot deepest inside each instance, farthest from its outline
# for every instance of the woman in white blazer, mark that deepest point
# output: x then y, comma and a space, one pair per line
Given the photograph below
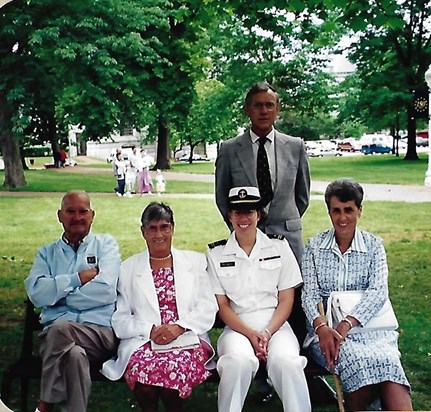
165, 307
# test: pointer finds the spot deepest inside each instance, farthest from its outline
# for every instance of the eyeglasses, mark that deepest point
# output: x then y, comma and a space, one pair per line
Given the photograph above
270, 106
164, 228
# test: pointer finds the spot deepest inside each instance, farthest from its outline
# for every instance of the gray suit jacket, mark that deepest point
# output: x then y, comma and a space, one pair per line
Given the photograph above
236, 166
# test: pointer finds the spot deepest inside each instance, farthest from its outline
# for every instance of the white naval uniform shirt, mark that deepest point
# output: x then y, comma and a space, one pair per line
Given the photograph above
252, 282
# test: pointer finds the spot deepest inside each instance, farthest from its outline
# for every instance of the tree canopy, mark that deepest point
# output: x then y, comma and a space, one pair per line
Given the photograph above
181, 68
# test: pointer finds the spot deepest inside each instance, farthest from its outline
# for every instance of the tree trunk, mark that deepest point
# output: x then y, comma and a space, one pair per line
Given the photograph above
162, 162
13, 170
21, 154
411, 136
82, 147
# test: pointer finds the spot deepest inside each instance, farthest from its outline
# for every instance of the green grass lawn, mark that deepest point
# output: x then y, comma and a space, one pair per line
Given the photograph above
29, 221
384, 169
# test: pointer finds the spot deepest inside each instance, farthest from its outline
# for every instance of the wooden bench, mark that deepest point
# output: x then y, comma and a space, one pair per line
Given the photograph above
29, 365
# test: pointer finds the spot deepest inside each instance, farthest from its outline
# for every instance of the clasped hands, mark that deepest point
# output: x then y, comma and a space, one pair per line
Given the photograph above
331, 340
259, 340
166, 333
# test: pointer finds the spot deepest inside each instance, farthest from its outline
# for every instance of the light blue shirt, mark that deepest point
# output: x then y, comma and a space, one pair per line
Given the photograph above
54, 285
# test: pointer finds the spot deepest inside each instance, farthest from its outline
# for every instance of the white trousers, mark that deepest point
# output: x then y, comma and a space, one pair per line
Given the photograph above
237, 366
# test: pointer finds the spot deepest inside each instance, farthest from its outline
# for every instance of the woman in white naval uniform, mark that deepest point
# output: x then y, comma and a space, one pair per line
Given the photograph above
254, 277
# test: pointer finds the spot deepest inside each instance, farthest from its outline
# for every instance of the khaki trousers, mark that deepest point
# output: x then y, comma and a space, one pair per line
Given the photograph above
67, 349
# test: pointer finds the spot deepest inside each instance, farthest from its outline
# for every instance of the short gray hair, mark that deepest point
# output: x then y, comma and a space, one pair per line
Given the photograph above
344, 189
157, 211
259, 88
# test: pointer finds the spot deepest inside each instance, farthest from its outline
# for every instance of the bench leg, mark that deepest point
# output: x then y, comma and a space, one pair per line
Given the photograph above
24, 394
6, 386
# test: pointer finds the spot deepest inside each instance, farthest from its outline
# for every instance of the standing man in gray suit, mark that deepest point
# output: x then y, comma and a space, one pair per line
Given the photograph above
288, 164
287, 194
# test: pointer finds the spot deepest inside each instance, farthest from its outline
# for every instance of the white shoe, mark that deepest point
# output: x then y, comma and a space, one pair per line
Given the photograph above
119, 194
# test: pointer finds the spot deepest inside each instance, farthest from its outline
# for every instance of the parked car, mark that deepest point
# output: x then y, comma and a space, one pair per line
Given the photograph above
421, 141
195, 158
345, 147
323, 152
375, 148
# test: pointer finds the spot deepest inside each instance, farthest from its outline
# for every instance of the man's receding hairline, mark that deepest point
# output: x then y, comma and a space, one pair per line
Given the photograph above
75, 193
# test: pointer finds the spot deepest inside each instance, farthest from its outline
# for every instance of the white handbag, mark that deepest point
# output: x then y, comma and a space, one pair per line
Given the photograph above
341, 303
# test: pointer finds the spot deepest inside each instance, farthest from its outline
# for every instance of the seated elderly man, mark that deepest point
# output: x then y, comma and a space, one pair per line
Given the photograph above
74, 281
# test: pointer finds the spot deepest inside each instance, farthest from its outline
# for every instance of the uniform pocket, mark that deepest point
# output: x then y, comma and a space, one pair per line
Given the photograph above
229, 278
270, 274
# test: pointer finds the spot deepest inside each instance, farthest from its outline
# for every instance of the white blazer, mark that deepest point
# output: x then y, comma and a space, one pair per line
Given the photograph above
138, 308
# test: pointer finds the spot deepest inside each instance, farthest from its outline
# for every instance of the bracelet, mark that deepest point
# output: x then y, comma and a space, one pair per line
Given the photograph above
319, 326
269, 333
348, 321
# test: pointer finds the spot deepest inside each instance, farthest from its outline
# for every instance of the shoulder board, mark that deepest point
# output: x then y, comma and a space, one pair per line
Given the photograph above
217, 243
274, 236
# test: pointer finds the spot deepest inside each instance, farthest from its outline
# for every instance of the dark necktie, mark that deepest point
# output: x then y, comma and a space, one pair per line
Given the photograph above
263, 173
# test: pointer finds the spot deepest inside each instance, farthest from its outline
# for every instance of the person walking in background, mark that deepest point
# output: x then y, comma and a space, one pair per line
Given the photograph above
129, 180
347, 258
254, 277
147, 182
120, 173
133, 170
74, 281
278, 165
160, 182
165, 308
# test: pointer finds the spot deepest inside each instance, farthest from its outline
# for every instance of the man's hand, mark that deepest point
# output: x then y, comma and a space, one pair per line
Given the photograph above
86, 275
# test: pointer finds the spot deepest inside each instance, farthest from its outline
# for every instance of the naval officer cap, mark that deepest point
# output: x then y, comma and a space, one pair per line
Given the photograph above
244, 197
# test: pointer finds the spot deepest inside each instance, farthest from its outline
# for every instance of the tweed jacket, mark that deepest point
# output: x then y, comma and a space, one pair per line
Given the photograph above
236, 166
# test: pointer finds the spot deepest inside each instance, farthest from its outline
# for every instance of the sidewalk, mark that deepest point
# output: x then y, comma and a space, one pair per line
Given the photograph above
391, 193
373, 192
377, 192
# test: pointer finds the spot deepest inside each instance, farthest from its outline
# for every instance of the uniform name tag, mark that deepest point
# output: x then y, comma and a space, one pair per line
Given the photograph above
91, 259
226, 264
269, 258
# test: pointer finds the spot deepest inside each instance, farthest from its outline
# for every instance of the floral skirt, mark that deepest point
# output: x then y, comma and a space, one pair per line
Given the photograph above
178, 369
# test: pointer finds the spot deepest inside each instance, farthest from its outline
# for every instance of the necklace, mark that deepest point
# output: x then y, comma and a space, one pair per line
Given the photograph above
163, 258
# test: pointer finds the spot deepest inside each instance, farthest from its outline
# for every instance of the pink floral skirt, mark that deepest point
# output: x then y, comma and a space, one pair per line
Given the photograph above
178, 369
